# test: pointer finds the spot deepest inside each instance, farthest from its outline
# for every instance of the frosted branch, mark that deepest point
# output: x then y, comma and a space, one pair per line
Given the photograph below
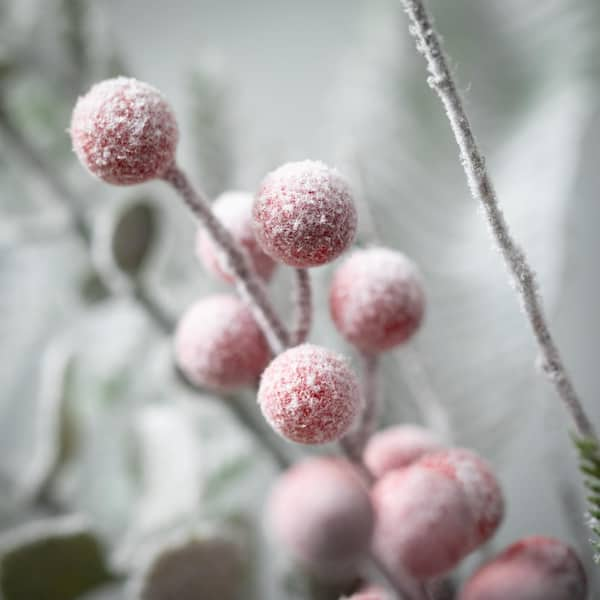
481, 188
302, 307
248, 285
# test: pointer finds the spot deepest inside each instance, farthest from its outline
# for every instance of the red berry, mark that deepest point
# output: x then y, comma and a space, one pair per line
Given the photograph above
234, 210
479, 484
304, 215
320, 511
397, 447
309, 395
535, 568
376, 299
423, 522
124, 131
218, 343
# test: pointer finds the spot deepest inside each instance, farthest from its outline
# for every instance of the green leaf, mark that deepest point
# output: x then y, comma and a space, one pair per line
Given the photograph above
57, 559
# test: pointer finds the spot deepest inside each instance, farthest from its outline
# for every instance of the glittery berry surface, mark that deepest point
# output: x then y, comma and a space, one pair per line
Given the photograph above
124, 131
309, 395
376, 299
304, 214
218, 343
534, 568
234, 210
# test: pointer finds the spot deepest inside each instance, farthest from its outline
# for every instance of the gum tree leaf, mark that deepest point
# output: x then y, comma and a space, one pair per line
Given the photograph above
56, 559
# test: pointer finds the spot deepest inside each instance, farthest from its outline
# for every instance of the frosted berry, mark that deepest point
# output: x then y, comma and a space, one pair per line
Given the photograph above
304, 215
320, 511
423, 522
479, 484
124, 131
376, 299
309, 395
218, 343
397, 447
234, 209
535, 568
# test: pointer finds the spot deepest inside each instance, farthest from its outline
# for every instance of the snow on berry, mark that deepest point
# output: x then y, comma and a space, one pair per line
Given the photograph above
124, 131
376, 299
423, 522
309, 395
397, 447
234, 210
479, 484
219, 345
535, 568
304, 214
320, 511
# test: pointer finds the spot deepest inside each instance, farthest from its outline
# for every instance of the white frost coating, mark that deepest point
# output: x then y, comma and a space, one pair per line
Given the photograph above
309, 395
304, 214
124, 131
377, 299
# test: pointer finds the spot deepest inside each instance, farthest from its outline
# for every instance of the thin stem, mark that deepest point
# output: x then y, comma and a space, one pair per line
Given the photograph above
481, 188
303, 307
248, 284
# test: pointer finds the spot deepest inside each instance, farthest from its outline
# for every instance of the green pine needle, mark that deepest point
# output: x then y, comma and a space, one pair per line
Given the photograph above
589, 464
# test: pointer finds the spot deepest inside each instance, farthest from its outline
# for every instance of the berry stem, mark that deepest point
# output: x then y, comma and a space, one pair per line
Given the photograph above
249, 286
480, 185
303, 307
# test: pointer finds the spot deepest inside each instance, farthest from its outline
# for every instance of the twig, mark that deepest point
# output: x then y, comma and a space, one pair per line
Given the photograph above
302, 307
249, 286
481, 188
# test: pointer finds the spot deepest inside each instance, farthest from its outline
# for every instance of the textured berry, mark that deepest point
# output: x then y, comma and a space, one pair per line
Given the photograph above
479, 484
423, 522
309, 395
218, 343
535, 568
376, 299
304, 215
397, 447
234, 210
124, 131
320, 511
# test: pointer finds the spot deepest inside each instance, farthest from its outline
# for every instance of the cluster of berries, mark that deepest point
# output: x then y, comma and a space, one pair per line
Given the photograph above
430, 506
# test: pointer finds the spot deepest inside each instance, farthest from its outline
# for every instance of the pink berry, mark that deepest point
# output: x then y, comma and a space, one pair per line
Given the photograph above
376, 299
479, 484
397, 447
309, 395
320, 511
304, 215
535, 568
423, 522
218, 343
124, 131
234, 210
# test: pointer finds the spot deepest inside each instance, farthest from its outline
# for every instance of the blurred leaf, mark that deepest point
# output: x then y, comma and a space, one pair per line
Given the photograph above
204, 567
134, 235
56, 559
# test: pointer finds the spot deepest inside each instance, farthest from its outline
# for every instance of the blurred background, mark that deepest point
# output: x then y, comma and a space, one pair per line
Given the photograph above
106, 460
